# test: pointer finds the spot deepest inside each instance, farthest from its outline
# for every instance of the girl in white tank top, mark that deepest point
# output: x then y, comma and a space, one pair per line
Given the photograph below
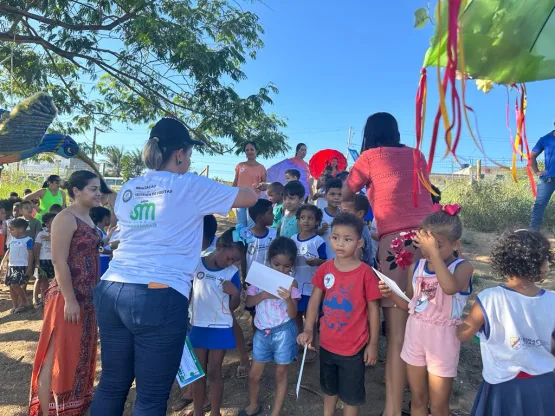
515, 323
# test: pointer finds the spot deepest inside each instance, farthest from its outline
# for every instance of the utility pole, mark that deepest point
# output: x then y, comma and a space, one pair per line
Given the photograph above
94, 142
349, 142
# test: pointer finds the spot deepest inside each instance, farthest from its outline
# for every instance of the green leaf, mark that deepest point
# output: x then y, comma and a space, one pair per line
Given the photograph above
421, 17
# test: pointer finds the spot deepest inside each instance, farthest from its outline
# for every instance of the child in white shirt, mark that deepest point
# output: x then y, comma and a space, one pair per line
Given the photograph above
216, 293
19, 259
515, 323
333, 197
311, 254
43, 260
263, 216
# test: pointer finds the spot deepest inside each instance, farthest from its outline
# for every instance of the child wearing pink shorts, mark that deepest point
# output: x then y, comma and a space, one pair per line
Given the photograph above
438, 288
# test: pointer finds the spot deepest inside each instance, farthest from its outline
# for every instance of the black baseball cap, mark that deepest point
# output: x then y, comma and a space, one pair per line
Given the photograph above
171, 133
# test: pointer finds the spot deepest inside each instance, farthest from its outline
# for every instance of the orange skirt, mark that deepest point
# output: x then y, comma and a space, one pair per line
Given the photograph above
73, 370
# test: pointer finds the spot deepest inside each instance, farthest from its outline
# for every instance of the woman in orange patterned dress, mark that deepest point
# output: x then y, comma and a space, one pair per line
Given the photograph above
64, 368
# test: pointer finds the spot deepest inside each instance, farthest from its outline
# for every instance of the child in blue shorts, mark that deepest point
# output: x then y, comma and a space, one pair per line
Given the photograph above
276, 332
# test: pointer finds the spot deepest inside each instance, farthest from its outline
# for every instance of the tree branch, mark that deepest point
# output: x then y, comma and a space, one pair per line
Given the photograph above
16, 22
71, 92
24, 13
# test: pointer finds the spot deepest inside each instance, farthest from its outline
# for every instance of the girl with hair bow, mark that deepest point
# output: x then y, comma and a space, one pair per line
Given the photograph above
438, 287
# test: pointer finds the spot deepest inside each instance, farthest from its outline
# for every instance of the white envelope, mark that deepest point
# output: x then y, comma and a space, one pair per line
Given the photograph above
267, 279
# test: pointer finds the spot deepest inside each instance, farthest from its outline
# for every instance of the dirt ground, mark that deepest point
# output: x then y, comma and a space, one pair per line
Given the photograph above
19, 335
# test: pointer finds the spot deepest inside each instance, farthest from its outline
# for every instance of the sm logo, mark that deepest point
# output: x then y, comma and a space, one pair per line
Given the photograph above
145, 211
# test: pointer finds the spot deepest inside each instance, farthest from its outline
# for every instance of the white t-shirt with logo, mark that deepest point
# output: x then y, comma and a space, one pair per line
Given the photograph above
161, 217
256, 251
45, 252
517, 333
19, 251
322, 202
210, 305
312, 248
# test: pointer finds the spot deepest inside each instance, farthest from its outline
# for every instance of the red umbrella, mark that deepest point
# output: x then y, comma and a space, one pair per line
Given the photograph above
323, 158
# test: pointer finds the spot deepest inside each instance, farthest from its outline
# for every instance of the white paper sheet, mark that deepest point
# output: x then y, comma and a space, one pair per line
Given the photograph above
392, 285
301, 371
189, 368
267, 279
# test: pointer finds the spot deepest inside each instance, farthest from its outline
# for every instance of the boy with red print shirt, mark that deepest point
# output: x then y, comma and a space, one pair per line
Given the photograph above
349, 328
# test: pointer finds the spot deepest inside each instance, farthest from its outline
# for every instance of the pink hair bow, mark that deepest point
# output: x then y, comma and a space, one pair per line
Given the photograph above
452, 209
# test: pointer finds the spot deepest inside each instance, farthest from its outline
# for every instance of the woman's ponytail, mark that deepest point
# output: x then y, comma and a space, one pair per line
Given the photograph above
152, 154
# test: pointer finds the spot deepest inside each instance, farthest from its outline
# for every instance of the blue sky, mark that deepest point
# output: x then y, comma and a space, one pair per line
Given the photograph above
335, 63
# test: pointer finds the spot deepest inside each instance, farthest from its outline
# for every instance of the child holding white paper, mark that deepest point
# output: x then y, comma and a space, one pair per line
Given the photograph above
276, 332
311, 254
216, 293
438, 287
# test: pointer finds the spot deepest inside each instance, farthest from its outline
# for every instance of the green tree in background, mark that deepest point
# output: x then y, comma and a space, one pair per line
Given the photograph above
114, 160
133, 61
132, 164
87, 148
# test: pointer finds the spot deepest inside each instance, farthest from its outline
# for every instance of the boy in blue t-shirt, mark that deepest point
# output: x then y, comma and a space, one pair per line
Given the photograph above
293, 196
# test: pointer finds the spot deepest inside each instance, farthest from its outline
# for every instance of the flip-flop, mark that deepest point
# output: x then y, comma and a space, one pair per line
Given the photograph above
181, 404
244, 412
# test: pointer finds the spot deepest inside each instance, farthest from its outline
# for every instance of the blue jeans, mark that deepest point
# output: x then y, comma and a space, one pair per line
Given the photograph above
546, 186
142, 335
243, 217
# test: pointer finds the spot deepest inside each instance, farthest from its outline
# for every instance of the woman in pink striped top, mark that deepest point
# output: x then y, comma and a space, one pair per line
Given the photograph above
386, 168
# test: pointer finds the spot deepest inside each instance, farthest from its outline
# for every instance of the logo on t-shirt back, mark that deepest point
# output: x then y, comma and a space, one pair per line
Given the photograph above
522, 342
143, 212
329, 280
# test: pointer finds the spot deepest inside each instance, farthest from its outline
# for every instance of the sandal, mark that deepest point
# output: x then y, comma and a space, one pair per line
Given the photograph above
19, 309
256, 413
242, 371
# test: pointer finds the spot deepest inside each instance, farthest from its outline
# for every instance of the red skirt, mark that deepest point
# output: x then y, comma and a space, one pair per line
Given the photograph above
74, 366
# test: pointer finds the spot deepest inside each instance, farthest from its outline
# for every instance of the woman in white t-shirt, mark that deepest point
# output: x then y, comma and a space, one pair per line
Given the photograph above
142, 300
